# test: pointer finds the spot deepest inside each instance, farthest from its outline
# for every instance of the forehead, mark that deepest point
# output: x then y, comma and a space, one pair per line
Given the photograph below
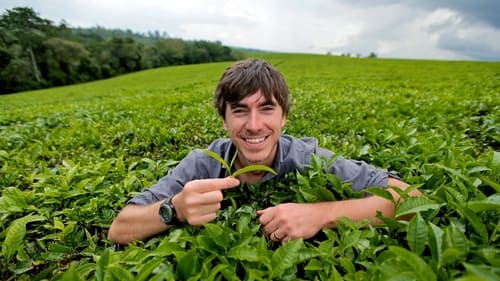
257, 98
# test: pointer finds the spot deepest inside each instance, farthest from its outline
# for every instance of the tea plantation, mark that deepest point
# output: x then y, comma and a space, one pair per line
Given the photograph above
71, 157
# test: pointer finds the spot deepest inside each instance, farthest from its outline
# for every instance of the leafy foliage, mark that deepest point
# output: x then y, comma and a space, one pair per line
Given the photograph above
70, 158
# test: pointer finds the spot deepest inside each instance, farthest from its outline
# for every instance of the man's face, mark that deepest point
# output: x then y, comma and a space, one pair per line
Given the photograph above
254, 126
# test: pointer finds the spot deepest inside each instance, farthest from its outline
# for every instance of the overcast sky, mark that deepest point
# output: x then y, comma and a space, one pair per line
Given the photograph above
419, 29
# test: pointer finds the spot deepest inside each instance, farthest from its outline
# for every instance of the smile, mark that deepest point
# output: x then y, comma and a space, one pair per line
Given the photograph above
255, 140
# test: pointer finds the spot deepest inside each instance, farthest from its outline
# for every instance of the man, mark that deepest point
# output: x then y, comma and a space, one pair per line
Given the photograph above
252, 98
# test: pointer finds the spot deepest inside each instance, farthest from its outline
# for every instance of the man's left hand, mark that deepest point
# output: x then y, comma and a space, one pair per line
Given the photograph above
290, 221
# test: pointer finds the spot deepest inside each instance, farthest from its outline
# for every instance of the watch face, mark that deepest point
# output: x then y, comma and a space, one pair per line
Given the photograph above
166, 213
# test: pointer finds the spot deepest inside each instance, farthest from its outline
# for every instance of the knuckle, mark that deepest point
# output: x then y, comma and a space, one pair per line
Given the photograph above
218, 196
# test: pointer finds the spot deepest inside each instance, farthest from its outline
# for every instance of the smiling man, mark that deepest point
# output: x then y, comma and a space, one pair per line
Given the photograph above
252, 99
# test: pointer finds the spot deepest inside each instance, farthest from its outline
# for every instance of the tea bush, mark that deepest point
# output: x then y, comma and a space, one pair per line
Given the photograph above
71, 157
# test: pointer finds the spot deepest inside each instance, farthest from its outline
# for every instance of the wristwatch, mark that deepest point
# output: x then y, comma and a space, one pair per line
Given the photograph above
168, 214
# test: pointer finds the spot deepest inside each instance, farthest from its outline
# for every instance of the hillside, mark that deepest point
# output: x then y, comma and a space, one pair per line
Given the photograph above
70, 157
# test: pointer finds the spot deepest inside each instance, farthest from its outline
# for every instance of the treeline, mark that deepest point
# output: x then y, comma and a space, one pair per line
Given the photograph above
35, 53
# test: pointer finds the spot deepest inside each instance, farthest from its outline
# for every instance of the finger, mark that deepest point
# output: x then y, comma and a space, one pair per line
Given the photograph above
202, 219
276, 237
206, 209
211, 197
279, 236
265, 216
207, 185
286, 238
271, 226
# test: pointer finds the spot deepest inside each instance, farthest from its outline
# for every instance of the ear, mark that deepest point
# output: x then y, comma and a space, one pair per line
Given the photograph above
283, 121
224, 125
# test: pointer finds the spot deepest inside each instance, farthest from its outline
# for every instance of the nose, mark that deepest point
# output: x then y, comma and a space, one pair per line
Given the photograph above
254, 122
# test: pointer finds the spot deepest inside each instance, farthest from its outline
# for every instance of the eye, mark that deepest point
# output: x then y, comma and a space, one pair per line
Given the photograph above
238, 110
268, 108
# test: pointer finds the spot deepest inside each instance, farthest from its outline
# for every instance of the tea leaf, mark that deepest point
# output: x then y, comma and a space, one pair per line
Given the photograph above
218, 158
381, 192
15, 235
436, 243
120, 273
102, 264
244, 253
417, 234
415, 204
419, 267
490, 203
252, 168
285, 257
146, 269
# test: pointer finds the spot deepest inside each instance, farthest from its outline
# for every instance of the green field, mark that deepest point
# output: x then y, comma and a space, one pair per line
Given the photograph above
71, 157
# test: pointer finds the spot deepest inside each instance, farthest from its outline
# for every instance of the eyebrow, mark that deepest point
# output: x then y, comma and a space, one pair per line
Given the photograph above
237, 104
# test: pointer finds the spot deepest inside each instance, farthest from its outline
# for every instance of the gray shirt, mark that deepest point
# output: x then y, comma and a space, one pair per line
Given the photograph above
293, 154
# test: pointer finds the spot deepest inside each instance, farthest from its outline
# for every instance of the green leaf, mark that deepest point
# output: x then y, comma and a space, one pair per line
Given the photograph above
146, 269
381, 192
490, 203
71, 274
15, 233
414, 205
285, 257
216, 270
244, 253
476, 221
252, 168
243, 170
232, 160
484, 272
416, 234
13, 200
455, 244
218, 158
102, 264
218, 234
496, 159
119, 273
419, 267
188, 265
436, 243
491, 183
13, 238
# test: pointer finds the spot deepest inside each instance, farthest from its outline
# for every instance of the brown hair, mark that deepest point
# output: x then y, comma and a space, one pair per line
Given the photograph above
246, 77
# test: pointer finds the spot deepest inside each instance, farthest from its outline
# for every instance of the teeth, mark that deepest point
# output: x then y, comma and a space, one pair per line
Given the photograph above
255, 140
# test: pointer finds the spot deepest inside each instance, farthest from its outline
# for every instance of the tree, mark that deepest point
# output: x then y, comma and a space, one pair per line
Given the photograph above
28, 30
61, 61
121, 55
34, 53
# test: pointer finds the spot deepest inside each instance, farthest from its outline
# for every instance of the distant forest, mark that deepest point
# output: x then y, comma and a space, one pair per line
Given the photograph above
35, 53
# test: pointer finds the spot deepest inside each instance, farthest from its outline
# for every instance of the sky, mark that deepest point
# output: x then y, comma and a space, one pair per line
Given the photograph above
414, 29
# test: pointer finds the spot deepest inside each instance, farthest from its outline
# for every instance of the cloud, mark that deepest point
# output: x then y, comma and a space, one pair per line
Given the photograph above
432, 29
447, 29
483, 11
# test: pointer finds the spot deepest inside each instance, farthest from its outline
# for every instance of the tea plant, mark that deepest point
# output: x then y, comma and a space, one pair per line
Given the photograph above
228, 167
71, 157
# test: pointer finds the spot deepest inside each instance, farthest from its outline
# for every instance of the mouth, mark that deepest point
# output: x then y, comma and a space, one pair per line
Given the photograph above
255, 140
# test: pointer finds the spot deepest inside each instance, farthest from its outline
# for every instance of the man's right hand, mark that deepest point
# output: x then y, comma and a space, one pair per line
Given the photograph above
199, 200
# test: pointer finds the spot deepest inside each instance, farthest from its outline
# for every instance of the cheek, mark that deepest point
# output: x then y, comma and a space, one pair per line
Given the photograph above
230, 127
